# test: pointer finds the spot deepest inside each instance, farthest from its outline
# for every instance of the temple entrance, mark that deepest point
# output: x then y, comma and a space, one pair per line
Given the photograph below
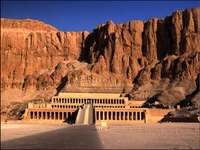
88, 101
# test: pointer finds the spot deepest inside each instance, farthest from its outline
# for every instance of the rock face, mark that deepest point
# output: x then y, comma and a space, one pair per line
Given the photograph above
157, 57
26, 49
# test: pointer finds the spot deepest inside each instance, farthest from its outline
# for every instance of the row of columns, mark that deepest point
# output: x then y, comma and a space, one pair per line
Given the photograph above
49, 115
77, 106
122, 115
94, 101
108, 101
104, 106
66, 106
42, 105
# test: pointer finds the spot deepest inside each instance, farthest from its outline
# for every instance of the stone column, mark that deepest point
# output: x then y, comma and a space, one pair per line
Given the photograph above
140, 116
131, 116
136, 115
54, 115
29, 115
42, 115
124, 115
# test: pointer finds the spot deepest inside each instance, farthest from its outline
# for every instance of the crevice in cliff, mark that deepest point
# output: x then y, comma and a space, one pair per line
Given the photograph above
59, 37
143, 39
63, 83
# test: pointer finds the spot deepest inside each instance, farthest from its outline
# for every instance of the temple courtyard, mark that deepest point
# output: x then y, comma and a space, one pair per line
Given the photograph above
15, 135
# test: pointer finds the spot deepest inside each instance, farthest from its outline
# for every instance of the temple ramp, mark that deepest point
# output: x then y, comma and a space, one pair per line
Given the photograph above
80, 116
85, 115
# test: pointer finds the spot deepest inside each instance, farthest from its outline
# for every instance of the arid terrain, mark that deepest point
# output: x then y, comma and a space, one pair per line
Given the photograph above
115, 136
155, 60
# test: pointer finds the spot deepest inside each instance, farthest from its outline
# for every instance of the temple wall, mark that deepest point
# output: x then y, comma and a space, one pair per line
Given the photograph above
108, 108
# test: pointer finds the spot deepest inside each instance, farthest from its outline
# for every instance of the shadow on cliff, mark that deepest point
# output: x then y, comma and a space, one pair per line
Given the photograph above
62, 85
188, 98
99, 46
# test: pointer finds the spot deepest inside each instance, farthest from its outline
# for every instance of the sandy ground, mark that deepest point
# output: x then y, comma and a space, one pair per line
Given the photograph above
44, 136
12, 131
113, 136
151, 136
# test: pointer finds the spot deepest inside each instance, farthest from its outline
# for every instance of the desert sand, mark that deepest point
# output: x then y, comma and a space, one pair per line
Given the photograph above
150, 136
112, 136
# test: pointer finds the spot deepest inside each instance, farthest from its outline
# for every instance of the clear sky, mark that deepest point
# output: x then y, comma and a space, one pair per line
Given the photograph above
86, 15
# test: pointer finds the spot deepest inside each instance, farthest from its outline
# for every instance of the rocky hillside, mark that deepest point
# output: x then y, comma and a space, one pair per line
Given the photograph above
156, 60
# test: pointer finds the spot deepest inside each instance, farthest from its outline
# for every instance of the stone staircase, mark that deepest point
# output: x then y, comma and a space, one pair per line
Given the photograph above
85, 115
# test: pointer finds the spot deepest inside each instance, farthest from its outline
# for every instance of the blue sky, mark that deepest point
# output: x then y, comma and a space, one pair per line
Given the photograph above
86, 15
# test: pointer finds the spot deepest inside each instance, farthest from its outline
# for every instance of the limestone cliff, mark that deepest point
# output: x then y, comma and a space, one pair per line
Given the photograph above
149, 59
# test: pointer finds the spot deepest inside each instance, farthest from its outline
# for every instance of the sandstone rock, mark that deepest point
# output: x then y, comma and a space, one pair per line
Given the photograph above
26, 24
160, 53
23, 53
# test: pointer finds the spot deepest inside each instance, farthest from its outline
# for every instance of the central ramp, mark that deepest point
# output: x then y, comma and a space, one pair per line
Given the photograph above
85, 115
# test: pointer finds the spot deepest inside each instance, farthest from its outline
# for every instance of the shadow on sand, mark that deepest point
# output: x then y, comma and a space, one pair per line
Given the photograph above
73, 137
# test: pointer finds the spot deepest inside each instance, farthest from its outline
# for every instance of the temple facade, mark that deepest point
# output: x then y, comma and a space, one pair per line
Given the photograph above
107, 108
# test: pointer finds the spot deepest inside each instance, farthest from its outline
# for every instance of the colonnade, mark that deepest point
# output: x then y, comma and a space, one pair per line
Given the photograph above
49, 115
100, 115
43, 105
83, 100
66, 106
120, 115
77, 106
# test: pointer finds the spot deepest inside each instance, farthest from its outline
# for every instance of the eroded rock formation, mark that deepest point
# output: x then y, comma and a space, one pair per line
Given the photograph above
154, 59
